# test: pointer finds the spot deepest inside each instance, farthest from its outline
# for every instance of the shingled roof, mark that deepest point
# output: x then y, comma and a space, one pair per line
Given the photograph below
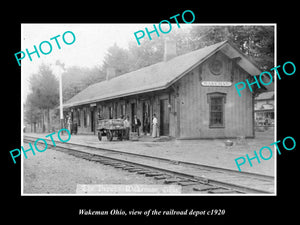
157, 76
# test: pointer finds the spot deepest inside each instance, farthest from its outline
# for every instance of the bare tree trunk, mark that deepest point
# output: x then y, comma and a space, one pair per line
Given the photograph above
48, 120
43, 121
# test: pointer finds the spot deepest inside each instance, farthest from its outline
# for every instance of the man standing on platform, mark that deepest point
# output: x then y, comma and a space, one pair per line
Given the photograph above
155, 130
136, 125
127, 127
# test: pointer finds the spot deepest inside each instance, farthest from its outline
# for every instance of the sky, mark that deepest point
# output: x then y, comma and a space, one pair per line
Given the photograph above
88, 50
92, 41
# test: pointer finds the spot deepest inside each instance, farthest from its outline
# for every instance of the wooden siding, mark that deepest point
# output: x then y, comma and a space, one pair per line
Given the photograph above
153, 99
189, 111
84, 129
194, 107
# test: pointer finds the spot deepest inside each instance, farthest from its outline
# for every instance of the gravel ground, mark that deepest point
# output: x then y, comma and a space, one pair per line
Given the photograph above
54, 172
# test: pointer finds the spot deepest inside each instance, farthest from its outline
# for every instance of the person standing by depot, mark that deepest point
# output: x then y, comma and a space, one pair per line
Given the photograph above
155, 131
146, 124
127, 127
136, 125
69, 122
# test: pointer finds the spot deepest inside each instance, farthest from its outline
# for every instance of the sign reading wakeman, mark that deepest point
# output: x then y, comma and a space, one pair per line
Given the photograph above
216, 83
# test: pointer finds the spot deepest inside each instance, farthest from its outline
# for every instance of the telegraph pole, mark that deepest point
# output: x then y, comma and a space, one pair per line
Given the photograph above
60, 70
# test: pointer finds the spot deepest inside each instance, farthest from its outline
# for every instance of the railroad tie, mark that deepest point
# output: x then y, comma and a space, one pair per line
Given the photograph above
134, 169
204, 187
103, 162
107, 163
118, 165
128, 167
81, 155
186, 183
97, 159
162, 177
172, 180
87, 157
201, 180
143, 171
221, 191
174, 162
153, 174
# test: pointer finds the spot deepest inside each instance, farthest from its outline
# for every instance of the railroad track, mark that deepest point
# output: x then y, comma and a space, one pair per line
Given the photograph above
194, 178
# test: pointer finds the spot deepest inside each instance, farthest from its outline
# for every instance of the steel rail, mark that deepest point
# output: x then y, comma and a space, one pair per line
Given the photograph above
93, 156
196, 165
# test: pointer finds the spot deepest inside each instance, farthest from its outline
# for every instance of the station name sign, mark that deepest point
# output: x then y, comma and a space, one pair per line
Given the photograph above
216, 83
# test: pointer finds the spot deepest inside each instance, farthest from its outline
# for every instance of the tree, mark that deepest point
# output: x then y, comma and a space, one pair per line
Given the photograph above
44, 93
148, 53
152, 51
117, 58
257, 42
32, 114
75, 79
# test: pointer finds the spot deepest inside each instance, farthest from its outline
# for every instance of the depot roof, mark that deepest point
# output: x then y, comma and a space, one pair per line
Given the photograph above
157, 76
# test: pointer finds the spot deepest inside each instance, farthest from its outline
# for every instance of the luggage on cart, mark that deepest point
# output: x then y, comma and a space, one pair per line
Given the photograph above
110, 128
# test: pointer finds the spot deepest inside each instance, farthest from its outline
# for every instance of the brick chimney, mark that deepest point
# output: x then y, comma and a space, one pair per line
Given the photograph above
170, 50
110, 73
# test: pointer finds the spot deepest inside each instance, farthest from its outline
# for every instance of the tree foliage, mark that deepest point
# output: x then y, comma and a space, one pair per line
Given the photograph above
75, 79
32, 113
44, 95
44, 88
257, 42
117, 58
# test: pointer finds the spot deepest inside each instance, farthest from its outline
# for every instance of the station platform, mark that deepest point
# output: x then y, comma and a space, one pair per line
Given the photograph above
208, 152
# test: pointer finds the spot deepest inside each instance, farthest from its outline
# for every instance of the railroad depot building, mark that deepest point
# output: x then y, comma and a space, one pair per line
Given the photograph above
193, 95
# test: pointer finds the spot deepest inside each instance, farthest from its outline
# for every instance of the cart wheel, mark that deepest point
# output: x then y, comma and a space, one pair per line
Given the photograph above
99, 136
109, 135
120, 136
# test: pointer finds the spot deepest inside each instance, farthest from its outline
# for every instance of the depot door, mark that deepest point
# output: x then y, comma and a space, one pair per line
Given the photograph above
133, 112
146, 117
164, 117
93, 120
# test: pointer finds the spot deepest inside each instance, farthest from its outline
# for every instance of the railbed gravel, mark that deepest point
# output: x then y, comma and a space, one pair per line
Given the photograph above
55, 172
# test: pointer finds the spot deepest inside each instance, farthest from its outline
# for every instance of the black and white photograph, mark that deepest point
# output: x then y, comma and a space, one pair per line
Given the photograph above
143, 109
155, 115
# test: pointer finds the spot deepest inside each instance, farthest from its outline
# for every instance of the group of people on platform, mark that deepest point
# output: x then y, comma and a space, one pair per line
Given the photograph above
136, 123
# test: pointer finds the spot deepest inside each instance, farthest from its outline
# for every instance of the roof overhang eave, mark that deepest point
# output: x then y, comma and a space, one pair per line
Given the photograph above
85, 102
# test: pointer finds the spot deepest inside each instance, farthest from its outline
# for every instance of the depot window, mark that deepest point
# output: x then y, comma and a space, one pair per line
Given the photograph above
216, 103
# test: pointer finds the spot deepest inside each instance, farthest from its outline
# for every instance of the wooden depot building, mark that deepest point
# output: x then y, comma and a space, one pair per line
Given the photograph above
193, 95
